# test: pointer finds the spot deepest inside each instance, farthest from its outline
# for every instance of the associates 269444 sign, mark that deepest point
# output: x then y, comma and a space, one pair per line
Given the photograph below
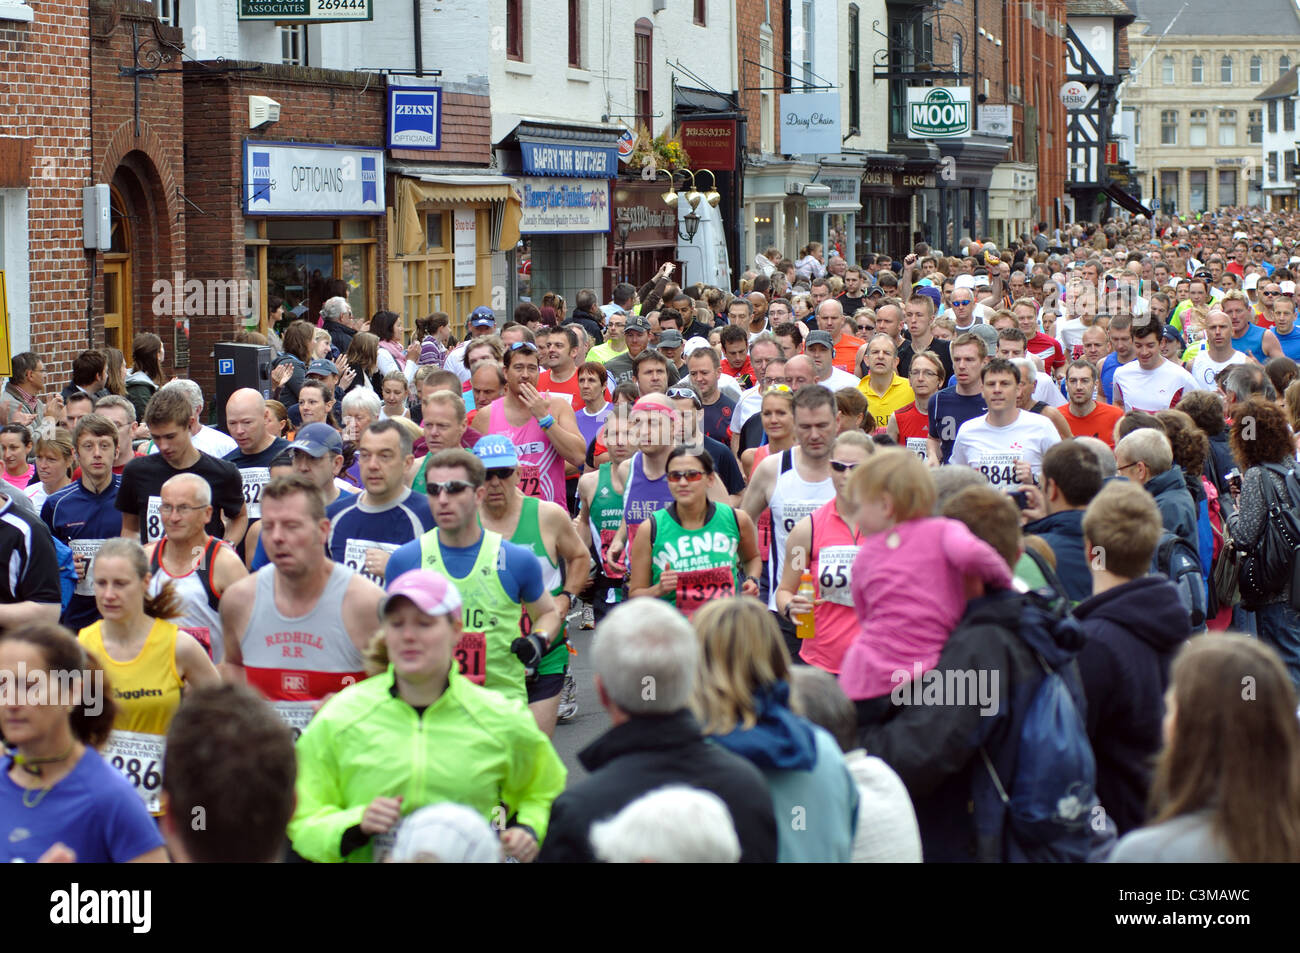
306, 11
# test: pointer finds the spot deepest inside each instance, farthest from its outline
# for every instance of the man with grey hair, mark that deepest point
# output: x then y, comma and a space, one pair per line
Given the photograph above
337, 319
1105, 456
645, 656
207, 439
1146, 457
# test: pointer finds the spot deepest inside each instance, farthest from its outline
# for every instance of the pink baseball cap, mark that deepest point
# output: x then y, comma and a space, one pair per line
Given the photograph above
431, 592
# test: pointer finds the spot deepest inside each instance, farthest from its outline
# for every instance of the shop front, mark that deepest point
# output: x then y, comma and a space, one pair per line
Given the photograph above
963, 196
563, 174
888, 218
833, 220
776, 207
1013, 202
643, 234
312, 214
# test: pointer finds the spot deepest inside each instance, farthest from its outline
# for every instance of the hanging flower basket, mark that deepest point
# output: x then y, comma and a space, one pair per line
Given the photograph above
667, 152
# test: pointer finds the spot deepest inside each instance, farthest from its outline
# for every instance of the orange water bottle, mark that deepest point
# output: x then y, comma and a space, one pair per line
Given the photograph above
804, 623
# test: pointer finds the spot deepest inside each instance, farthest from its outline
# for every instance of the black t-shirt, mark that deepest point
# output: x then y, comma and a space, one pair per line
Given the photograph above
142, 482
717, 419
942, 348
253, 473
27, 548
724, 463
240, 459
851, 305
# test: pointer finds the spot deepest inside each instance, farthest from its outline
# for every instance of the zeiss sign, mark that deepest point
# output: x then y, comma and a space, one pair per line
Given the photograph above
414, 117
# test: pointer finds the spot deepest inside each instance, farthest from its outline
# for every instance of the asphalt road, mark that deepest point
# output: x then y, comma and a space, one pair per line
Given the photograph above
591, 721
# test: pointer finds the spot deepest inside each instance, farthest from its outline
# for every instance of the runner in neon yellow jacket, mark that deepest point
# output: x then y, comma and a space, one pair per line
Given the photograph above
419, 734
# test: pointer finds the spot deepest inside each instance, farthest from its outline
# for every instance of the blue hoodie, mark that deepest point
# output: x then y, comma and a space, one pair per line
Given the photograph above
1131, 634
1177, 508
1063, 532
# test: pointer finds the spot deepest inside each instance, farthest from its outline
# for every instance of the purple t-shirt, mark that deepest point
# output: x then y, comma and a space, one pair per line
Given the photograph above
588, 425
93, 810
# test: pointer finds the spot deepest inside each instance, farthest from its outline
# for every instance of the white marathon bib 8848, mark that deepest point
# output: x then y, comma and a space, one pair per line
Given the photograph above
1000, 468
86, 549
138, 757
255, 480
833, 564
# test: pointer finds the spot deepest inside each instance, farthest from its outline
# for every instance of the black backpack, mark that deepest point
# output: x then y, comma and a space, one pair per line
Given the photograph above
1176, 560
1273, 561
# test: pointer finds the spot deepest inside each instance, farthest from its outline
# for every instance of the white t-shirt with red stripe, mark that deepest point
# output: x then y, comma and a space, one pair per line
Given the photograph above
1153, 390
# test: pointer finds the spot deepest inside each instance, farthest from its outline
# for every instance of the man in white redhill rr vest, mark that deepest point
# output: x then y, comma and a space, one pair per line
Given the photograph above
296, 628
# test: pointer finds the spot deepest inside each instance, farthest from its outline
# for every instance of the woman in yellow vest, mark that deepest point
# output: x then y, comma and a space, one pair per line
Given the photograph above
147, 659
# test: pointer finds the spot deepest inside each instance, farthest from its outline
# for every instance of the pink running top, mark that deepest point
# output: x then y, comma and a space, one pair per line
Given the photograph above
541, 468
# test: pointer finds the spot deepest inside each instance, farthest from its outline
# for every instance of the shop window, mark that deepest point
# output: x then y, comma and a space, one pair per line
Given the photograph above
1227, 187
1168, 190
1198, 190
765, 224
297, 260
434, 236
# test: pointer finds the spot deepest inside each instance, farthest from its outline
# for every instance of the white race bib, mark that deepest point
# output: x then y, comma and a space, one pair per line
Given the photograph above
86, 549
153, 524
793, 511
295, 714
138, 757
833, 565
354, 556
919, 446
255, 480
381, 845
1000, 468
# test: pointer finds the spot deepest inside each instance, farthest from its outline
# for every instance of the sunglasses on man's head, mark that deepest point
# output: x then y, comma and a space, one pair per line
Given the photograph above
527, 346
451, 488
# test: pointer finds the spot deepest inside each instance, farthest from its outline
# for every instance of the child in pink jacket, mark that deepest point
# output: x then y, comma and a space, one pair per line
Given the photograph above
909, 580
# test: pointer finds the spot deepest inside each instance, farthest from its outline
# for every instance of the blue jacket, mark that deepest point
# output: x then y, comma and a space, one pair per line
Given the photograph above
1131, 635
1063, 532
1177, 509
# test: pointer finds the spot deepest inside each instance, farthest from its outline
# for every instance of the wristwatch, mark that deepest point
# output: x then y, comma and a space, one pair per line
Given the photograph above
753, 579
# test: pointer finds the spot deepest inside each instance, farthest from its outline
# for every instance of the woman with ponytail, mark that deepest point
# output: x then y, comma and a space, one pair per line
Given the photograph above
59, 799
148, 658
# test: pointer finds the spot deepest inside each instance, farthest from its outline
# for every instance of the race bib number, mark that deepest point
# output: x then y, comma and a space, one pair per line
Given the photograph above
606, 538
86, 549
354, 556
695, 587
202, 634
471, 655
919, 446
794, 512
833, 564
764, 535
153, 524
255, 480
1000, 468
530, 480
295, 714
138, 757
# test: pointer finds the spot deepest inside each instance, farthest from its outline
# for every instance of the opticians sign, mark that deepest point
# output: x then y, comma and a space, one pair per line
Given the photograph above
282, 178
938, 112
415, 117
307, 11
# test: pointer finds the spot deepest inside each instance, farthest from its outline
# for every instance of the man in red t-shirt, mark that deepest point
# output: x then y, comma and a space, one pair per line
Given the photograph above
1038, 344
1083, 414
558, 347
735, 356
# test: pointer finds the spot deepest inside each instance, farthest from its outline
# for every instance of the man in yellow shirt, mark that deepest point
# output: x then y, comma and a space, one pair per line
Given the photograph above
884, 389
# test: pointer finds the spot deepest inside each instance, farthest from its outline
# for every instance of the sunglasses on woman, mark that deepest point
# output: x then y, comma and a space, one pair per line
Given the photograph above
690, 476
840, 467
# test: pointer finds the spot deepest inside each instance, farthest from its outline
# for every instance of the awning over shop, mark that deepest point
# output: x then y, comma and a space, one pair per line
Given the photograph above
414, 191
1125, 201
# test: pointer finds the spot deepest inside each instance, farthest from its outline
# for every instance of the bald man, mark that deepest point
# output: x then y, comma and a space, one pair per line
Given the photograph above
247, 421
799, 372
197, 565
757, 312
830, 318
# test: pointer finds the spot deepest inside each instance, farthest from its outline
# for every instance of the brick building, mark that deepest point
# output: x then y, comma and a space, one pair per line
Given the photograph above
44, 165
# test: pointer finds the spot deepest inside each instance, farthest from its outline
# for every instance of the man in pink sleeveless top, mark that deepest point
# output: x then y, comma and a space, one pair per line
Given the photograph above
542, 426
